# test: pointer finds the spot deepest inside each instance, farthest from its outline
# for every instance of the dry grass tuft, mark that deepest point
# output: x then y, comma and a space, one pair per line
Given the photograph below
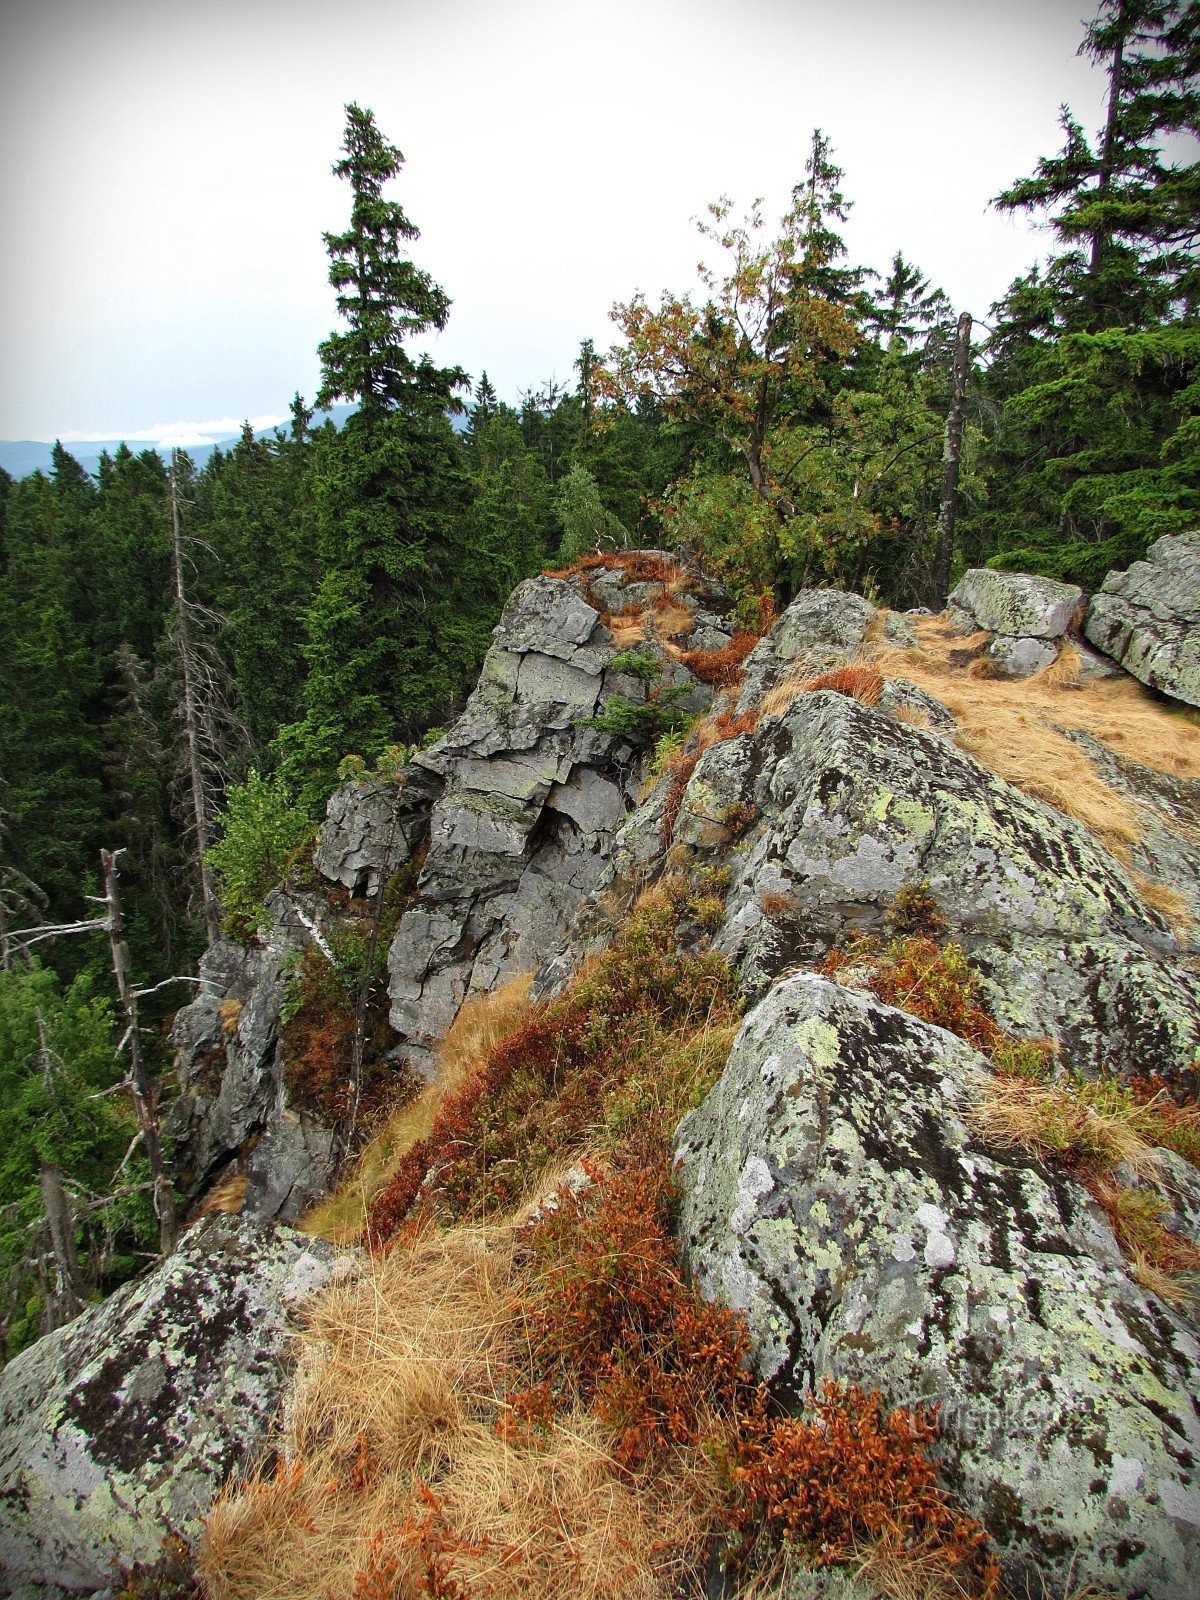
627, 626
1076, 1128
778, 698
1168, 902
230, 1010
479, 1027
671, 619
861, 683
858, 681
227, 1197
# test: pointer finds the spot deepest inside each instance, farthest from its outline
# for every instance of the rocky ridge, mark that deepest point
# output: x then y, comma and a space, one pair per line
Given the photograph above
836, 1189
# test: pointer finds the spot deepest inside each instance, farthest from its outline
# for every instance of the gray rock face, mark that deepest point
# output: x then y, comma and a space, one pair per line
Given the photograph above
1148, 618
1021, 658
372, 827
835, 1193
853, 806
123, 1426
1017, 603
231, 1077
532, 798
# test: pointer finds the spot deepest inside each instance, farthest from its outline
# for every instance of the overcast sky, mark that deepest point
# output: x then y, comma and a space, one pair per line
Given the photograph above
166, 172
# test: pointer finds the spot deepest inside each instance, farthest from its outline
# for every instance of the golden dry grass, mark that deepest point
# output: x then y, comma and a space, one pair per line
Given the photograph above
477, 1029
393, 1458
230, 1010
627, 630
1053, 1123
228, 1196
671, 619
1168, 902
1015, 727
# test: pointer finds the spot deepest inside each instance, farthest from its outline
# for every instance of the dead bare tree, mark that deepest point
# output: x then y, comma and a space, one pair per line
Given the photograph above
137, 1079
211, 729
951, 458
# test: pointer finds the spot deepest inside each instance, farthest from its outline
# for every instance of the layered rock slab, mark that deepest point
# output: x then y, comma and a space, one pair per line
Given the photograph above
834, 1192
1148, 617
232, 1097
124, 1425
533, 795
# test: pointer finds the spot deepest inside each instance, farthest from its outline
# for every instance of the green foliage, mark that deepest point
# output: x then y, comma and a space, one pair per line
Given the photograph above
642, 721
667, 748
643, 664
586, 524
262, 832
56, 1054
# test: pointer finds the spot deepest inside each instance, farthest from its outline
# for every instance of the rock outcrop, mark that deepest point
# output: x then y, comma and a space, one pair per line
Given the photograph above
1148, 618
533, 795
835, 1192
232, 1098
372, 827
122, 1427
1024, 614
836, 806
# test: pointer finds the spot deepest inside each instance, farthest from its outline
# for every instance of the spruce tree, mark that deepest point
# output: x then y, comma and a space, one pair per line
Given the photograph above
389, 492
1096, 358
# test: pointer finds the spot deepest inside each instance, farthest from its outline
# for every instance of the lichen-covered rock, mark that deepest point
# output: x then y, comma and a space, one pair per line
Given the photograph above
1020, 657
1017, 603
372, 827
123, 1426
826, 811
848, 806
1148, 618
533, 795
225, 1057
834, 1192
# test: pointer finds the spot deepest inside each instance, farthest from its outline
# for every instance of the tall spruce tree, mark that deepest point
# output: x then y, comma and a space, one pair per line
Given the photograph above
389, 492
1126, 213
1096, 358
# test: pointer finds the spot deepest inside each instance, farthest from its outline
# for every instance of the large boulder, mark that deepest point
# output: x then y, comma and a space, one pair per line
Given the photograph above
821, 629
533, 794
828, 809
123, 1426
1026, 616
1148, 618
1017, 604
834, 1192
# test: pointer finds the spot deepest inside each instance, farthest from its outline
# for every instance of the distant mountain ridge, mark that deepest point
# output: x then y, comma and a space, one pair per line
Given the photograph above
20, 457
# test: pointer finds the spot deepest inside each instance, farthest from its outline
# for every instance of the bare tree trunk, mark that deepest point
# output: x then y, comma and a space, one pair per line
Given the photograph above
201, 808
951, 456
64, 1297
137, 1080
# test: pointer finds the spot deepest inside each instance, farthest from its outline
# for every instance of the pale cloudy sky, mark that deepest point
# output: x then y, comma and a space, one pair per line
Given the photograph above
166, 172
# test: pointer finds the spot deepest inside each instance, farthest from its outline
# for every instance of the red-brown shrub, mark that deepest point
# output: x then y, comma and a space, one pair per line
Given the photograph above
721, 668
544, 1087
847, 1474
864, 684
